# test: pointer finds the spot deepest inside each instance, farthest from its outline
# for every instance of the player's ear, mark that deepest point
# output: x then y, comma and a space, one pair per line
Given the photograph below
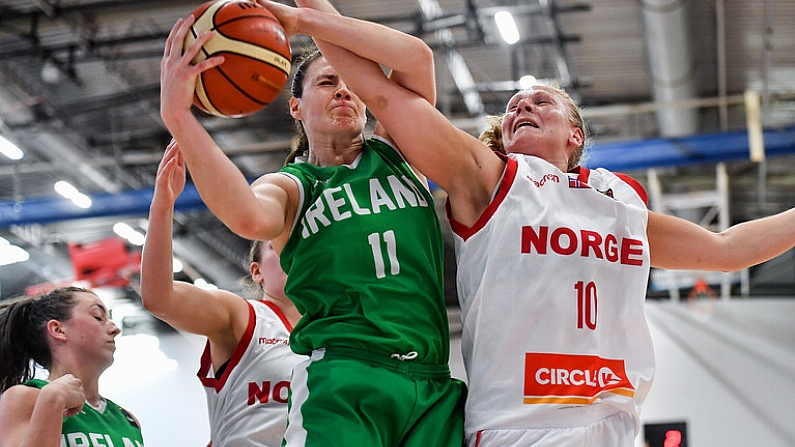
295, 108
256, 273
55, 330
576, 137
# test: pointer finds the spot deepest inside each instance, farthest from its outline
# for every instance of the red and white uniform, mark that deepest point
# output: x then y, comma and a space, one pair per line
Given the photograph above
247, 404
552, 281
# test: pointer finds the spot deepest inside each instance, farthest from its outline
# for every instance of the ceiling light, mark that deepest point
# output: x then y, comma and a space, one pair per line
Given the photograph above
127, 232
70, 192
203, 284
176, 265
11, 254
10, 149
50, 72
507, 27
526, 81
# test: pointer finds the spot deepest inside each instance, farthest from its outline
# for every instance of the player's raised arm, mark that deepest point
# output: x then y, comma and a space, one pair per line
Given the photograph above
253, 215
180, 304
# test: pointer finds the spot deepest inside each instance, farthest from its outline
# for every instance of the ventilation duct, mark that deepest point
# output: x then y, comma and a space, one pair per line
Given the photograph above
670, 64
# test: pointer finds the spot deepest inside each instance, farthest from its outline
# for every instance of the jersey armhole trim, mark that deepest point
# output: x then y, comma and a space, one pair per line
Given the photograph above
301, 198
218, 383
464, 232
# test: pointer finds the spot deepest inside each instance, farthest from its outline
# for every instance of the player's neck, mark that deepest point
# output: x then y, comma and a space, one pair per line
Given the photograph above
336, 151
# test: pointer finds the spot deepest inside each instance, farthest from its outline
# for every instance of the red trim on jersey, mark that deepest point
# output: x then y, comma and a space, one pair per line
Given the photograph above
635, 185
206, 361
278, 311
506, 182
584, 173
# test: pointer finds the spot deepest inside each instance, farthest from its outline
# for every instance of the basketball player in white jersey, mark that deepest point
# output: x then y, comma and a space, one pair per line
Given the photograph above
247, 362
552, 271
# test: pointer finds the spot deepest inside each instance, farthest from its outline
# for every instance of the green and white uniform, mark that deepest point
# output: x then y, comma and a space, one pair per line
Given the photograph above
364, 264
108, 425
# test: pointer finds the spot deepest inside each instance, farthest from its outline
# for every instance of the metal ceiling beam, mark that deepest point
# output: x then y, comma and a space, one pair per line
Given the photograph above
87, 47
483, 12
546, 39
455, 61
93, 8
139, 158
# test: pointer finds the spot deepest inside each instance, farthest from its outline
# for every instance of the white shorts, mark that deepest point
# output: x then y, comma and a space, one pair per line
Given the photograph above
617, 430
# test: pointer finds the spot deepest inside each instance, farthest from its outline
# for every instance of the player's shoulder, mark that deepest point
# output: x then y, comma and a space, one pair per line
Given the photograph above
635, 185
606, 179
19, 398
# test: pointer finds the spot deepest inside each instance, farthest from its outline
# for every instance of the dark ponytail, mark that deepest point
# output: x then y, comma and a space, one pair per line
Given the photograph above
23, 332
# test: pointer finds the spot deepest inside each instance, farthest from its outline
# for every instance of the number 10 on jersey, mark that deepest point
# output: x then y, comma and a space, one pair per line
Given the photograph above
586, 305
384, 253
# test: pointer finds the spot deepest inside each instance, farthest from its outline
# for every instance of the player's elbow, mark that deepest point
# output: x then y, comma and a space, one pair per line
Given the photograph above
255, 227
153, 303
424, 55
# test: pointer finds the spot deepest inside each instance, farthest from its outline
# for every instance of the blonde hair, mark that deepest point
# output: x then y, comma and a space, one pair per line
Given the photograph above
492, 135
251, 288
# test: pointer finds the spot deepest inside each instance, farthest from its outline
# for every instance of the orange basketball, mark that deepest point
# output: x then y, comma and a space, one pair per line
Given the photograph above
256, 57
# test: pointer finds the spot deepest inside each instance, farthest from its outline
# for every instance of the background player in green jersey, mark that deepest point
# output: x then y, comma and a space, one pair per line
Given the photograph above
68, 332
361, 244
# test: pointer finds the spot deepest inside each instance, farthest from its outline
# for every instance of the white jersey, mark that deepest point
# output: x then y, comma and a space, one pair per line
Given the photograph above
552, 281
247, 404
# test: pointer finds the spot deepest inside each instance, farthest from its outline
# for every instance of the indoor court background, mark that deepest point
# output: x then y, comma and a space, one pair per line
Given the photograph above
694, 98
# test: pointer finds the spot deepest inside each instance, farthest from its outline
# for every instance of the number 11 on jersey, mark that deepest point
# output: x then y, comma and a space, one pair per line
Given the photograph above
387, 240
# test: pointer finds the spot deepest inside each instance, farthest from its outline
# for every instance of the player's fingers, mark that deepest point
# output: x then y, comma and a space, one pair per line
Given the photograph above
210, 63
73, 410
286, 15
170, 38
168, 155
193, 50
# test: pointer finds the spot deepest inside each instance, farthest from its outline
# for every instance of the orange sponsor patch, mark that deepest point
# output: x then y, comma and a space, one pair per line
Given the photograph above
572, 379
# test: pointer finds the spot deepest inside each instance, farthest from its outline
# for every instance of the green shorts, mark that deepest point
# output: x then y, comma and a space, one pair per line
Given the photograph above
343, 397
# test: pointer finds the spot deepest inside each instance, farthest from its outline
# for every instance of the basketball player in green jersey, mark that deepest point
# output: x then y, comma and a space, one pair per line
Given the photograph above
360, 242
68, 332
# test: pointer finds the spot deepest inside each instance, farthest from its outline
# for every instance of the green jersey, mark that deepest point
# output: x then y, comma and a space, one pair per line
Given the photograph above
364, 259
112, 426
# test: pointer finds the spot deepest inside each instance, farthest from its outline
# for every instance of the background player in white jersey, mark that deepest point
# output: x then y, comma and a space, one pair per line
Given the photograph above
247, 362
552, 272
68, 332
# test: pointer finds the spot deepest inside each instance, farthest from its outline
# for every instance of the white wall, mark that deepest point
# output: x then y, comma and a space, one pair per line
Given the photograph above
155, 378
729, 372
